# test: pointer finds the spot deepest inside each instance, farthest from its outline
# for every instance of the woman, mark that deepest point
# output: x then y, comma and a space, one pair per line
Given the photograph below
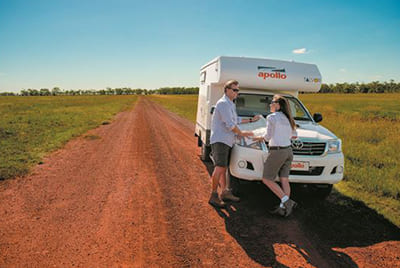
280, 129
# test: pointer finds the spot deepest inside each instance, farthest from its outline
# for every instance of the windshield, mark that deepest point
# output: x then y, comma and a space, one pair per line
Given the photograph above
251, 104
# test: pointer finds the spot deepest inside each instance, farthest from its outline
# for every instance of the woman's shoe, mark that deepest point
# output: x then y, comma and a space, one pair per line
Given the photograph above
289, 205
278, 211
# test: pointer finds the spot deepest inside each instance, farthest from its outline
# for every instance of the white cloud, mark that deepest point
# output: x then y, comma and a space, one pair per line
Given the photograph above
343, 70
300, 51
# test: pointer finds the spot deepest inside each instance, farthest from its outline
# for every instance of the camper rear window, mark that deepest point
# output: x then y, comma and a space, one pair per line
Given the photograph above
250, 105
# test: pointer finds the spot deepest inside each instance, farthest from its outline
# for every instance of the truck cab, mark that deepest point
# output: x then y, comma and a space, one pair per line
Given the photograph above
318, 159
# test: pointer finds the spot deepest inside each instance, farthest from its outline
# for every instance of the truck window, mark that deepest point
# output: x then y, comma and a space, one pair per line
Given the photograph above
298, 112
252, 104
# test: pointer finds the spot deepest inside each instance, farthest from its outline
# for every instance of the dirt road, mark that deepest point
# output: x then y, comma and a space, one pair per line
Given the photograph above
134, 194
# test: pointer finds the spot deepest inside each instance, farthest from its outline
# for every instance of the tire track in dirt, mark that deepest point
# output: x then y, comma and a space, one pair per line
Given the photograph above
184, 182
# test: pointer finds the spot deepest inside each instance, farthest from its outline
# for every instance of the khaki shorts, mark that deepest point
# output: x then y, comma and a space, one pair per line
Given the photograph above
278, 163
221, 154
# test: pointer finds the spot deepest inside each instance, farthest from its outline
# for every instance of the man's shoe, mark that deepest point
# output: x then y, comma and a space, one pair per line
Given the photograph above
289, 205
228, 196
278, 211
215, 201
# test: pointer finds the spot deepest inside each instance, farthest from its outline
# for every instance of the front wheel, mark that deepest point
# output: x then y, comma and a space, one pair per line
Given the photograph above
321, 191
234, 183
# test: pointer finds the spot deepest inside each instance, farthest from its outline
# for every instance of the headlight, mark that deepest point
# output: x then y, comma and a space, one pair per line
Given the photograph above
334, 146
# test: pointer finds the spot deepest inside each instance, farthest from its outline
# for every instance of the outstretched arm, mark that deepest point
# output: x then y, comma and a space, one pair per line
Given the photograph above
250, 120
237, 131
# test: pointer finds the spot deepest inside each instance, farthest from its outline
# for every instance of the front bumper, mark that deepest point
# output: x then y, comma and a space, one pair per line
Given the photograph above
248, 164
331, 166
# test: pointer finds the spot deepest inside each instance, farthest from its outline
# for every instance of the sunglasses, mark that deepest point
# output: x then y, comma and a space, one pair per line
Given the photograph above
235, 89
274, 102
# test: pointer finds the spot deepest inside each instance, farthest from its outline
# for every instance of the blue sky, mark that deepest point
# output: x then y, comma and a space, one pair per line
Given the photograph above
96, 44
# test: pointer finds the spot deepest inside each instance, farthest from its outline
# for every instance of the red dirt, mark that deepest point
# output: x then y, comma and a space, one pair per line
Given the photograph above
137, 197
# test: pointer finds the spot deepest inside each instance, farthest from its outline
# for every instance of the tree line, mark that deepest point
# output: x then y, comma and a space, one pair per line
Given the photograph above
56, 91
372, 87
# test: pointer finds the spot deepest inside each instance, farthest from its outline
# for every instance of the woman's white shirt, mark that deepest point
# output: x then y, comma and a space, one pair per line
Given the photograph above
279, 131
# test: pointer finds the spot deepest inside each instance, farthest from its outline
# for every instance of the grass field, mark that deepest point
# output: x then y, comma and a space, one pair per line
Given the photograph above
369, 126
184, 105
32, 126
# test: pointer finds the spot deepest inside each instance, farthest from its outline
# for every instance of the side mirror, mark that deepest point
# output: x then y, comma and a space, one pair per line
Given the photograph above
212, 110
317, 117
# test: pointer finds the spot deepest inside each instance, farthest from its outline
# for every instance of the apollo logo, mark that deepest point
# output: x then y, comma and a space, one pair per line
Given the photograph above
274, 74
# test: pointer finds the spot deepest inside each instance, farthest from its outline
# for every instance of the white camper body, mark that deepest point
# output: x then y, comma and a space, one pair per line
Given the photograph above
319, 161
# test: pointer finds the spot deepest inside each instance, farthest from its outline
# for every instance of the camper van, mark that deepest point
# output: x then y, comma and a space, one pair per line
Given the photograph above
318, 159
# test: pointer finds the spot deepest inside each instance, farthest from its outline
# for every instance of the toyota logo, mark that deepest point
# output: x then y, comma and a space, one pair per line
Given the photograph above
297, 144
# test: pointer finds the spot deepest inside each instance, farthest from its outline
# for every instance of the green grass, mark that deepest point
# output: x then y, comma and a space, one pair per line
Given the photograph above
369, 126
366, 106
183, 105
30, 127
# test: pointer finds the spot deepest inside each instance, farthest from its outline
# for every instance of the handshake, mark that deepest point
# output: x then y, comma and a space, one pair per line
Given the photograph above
251, 133
246, 133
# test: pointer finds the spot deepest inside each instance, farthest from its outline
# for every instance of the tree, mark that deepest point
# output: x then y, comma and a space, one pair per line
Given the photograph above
56, 91
44, 92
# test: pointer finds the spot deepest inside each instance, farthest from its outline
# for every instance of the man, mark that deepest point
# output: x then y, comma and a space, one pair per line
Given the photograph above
223, 131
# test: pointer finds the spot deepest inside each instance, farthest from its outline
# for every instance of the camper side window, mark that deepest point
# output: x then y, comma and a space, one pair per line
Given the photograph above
202, 77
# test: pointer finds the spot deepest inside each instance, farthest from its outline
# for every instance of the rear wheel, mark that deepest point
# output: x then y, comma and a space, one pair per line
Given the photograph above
199, 141
205, 152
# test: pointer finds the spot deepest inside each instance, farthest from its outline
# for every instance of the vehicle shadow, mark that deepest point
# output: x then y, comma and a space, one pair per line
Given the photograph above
314, 230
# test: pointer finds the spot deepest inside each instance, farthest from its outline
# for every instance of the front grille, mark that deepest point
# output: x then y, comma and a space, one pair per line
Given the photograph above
310, 148
313, 171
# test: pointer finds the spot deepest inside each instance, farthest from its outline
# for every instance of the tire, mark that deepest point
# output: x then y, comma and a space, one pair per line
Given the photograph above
321, 191
234, 183
205, 153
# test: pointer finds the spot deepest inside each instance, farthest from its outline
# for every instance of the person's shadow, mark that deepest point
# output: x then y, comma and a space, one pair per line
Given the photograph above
314, 230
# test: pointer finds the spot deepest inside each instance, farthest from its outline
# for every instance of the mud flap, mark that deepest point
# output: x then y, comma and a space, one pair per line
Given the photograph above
205, 152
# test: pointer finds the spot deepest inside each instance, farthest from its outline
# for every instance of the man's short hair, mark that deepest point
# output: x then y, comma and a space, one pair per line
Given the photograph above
229, 84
